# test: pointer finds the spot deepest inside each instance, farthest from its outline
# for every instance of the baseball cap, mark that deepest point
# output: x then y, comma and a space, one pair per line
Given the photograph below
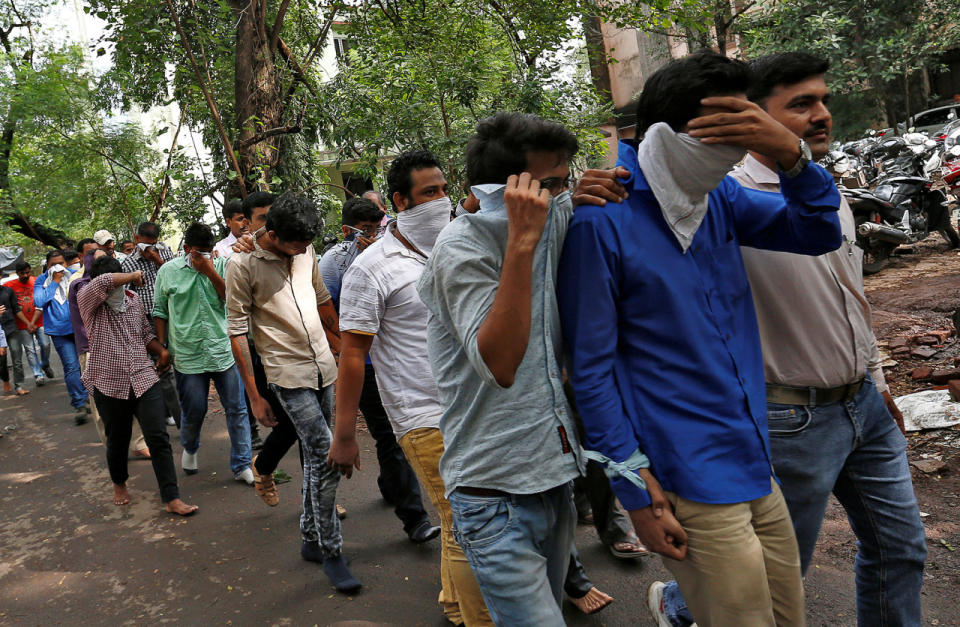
102, 236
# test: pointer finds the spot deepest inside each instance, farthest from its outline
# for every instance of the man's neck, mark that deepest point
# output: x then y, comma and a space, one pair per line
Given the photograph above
770, 162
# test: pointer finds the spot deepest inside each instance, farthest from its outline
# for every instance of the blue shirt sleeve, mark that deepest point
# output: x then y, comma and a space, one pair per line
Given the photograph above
588, 294
43, 295
801, 219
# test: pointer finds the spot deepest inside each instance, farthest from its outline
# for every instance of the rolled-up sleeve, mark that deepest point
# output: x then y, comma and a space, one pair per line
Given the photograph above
459, 285
93, 295
362, 303
239, 297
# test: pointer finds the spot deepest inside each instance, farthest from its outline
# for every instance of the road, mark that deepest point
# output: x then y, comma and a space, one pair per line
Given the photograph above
68, 555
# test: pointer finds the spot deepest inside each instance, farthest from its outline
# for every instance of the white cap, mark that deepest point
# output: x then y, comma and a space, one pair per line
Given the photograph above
102, 236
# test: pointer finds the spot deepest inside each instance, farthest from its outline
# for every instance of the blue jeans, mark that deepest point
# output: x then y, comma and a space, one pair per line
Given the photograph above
311, 412
519, 548
193, 390
21, 342
71, 369
855, 450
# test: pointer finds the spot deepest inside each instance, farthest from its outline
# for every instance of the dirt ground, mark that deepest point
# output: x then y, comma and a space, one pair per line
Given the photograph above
915, 295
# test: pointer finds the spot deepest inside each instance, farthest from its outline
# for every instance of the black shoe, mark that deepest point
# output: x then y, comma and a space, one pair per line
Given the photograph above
86, 408
310, 551
49, 372
80, 417
255, 442
336, 569
424, 532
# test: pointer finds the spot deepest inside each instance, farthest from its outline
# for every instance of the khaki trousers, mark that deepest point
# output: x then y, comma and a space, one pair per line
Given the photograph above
742, 566
137, 442
460, 595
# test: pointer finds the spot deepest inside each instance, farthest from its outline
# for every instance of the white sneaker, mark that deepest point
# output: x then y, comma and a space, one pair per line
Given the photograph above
245, 475
171, 422
189, 463
655, 603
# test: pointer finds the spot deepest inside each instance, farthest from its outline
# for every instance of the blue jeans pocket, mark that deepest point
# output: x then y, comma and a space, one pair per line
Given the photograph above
787, 420
482, 523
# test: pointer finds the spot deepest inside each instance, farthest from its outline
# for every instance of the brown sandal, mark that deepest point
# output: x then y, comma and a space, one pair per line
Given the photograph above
264, 486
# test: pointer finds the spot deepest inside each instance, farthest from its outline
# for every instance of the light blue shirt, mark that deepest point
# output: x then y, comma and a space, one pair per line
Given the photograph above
520, 439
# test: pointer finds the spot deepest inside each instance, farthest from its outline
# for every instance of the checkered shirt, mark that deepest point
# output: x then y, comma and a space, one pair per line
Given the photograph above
136, 262
118, 358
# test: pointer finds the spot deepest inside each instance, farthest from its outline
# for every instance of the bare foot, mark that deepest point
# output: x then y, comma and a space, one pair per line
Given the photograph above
593, 601
176, 506
120, 494
142, 453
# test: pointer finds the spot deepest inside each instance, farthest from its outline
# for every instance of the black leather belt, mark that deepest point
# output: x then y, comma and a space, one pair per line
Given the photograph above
790, 395
481, 491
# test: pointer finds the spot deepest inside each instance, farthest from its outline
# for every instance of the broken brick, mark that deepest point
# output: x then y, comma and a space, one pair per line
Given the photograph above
901, 350
897, 342
943, 376
928, 340
923, 352
921, 373
954, 387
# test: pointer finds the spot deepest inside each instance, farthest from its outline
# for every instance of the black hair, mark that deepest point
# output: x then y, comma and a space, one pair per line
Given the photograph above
199, 235
85, 241
357, 210
501, 142
673, 93
104, 265
257, 199
21, 266
232, 208
54, 253
294, 218
399, 176
69, 253
783, 68
126, 241
147, 229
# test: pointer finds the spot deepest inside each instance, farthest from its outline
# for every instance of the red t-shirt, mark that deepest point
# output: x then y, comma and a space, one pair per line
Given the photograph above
24, 294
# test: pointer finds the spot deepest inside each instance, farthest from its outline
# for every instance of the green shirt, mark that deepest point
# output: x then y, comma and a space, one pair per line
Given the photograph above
197, 317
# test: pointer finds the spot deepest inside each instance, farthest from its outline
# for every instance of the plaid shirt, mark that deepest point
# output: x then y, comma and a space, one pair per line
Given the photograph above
136, 262
118, 358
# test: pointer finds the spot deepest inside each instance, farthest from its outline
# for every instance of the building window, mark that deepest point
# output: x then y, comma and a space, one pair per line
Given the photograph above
340, 47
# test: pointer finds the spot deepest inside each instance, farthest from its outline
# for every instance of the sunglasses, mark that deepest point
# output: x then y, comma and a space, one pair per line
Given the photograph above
555, 184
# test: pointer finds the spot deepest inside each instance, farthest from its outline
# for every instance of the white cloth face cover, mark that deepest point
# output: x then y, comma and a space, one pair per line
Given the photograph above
460, 211
62, 287
116, 300
190, 258
681, 172
421, 225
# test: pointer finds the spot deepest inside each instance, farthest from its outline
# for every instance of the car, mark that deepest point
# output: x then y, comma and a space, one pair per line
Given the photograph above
931, 119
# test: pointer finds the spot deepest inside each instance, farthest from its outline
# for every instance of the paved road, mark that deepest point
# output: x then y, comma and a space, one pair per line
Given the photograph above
67, 555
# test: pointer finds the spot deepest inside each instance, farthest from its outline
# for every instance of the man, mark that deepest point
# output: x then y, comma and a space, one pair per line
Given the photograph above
124, 381
663, 338
71, 259
104, 239
50, 293
127, 247
86, 245
376, 198
360, 225
29, 332
9, 308
191, 320
832, 420
510, 445
237, 224
148, 257
276, 294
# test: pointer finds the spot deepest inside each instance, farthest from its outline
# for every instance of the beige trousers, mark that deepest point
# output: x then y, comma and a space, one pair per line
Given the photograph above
742, 567
137, 443
460, 595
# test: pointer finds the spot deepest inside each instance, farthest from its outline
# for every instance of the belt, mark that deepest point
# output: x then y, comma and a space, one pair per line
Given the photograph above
790, 395
481, 491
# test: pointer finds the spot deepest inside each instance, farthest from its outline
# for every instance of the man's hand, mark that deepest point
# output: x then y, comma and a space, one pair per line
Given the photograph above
244, 244
527, 208
57, 276
163, 361
31, 328
597, 187
262, 411
344, 455
3, 351
202, 264
894, 411
744, 123
150, 254
3, 309
656, 525
133, 278
363, 242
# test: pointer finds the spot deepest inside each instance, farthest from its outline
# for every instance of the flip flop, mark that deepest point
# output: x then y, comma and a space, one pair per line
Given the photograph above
637, 550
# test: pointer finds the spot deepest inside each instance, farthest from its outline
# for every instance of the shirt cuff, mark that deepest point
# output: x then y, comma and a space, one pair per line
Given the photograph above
631, 496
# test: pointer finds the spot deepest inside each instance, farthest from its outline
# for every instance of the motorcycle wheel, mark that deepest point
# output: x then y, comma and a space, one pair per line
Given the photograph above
876, 254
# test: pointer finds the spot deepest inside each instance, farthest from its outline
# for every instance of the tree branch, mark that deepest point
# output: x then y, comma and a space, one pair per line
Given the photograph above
277, 23
273, 132
166, 172
301, 75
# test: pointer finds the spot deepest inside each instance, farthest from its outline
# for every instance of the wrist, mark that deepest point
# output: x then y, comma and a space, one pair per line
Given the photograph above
522, 243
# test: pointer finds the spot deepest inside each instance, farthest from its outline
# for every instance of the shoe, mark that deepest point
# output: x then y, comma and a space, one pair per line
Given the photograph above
171, 422
423, 532
245, 475
189, 463
310, 551
40, 381
86, 408
264, 486
341, 511
655, 603
336, 569
255, 442
80, 417
47, 370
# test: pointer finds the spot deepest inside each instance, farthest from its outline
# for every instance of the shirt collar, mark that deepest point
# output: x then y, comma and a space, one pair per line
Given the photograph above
627, 157
393, 246
760, 173
490, 196
263, 253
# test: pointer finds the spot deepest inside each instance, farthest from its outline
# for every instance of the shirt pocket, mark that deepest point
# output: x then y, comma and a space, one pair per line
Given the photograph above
482, 521
787, 420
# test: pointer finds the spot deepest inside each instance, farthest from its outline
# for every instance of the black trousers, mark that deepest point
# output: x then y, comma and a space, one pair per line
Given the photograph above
397, 481
117, 415
282, 436
576, 584
4, 371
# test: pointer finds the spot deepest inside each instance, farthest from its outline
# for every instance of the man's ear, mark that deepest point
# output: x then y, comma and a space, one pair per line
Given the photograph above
400, 201
345, 230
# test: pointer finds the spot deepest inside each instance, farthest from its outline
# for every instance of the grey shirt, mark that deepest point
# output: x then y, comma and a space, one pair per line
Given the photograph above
519, 439
814, 318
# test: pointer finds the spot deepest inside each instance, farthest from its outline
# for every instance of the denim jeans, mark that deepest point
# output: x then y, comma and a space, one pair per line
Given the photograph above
519, 547
311, 412
193, 390
71, 369
19, 343
855, 450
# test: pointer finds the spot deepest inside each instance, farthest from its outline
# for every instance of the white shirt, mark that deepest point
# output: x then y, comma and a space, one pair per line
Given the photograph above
224, 248
379, 297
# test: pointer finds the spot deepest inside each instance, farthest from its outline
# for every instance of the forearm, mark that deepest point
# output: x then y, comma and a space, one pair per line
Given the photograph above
350, 376
329, 318
154, 347
218, 283
244, 361
160, 324
503, 336
22, 318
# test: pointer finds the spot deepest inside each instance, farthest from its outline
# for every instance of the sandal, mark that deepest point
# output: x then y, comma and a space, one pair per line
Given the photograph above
264, 486
629, 548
